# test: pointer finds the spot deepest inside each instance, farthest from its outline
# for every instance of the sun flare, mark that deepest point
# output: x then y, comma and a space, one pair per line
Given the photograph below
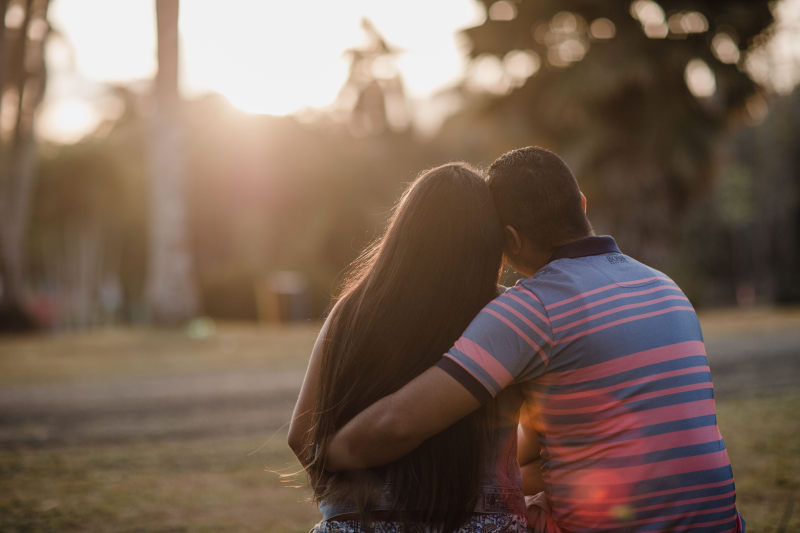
273, 56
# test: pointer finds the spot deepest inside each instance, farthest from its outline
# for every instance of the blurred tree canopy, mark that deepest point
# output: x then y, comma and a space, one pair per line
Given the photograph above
611, 95
704, 184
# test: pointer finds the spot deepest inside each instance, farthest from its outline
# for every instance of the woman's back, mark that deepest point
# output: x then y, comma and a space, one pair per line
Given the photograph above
407, 301
500, 478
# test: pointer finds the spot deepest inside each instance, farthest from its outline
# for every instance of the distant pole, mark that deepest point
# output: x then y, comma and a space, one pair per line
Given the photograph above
171, 293
3, 9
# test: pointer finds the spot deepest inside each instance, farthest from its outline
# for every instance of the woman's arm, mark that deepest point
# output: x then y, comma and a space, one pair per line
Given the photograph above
528, 452
301, 417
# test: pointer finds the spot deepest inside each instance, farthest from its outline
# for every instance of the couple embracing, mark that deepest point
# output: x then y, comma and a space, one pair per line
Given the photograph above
578, 400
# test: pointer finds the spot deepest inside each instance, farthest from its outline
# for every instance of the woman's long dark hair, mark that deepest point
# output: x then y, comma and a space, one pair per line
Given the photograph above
406, 301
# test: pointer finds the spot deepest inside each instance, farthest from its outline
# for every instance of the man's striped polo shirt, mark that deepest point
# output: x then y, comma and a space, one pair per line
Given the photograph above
610, 355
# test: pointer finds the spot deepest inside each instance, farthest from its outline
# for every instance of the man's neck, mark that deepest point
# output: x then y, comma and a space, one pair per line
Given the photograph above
555, 250
536, 258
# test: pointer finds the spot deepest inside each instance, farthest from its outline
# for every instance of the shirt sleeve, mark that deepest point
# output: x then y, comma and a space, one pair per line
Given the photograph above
509, 341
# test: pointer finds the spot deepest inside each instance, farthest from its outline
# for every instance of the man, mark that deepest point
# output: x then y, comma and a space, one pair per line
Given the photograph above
611, 359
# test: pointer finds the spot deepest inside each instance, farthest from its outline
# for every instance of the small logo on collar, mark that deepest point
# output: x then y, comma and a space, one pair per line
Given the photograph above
615, 259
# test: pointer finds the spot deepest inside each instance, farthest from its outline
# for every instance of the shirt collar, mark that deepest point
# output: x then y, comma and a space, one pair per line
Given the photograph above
595, 245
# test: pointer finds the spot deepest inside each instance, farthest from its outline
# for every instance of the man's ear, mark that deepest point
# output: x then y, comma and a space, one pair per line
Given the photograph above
513, 242
583, 201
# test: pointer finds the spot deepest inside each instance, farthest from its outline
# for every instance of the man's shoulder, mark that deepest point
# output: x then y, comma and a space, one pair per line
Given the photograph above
526, 289
569, 278
564, 277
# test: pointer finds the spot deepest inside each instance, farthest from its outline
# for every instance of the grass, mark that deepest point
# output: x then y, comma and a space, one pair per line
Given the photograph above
751, 322
221, 484
235, 482
763, 440
127, 353
224, 482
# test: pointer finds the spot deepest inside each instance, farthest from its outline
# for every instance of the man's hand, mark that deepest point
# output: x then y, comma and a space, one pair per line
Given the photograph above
396, 424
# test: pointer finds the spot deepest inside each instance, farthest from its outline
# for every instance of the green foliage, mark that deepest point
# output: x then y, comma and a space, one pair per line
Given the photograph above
618, 109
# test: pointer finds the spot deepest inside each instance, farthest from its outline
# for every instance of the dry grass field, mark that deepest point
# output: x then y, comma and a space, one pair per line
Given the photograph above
139, 430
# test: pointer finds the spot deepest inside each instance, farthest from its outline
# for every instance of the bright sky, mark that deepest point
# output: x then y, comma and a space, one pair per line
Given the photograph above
278, 56
264, 56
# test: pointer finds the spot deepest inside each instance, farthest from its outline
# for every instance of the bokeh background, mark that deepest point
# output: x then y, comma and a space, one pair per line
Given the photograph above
183, 185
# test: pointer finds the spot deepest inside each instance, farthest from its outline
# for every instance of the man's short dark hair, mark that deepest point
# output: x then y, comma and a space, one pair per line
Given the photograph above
536, 193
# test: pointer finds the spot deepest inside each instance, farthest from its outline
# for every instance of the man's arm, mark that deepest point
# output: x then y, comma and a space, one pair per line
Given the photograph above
398, 423
503, 343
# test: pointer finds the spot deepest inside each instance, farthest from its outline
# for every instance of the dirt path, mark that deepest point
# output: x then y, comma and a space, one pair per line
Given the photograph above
165, 407
196, 404
768, 363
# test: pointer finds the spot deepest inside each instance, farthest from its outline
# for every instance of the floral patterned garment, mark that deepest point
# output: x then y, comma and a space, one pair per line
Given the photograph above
479, 523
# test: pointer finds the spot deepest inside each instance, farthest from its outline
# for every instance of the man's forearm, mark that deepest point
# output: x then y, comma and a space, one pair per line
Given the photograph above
374, 437
398, 423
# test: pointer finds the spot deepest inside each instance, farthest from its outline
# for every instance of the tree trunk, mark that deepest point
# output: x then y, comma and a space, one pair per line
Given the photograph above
3, 9
170, 289
26, 75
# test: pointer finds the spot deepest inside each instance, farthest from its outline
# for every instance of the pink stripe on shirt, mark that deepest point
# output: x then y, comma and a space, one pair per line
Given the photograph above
591, 499
519, 332
619, 309
614, 524
615, 297
525, 320
644, 418
610, 402
484, 360
630, 474
624, 321
631, 283
603, 510
543, 397
625, 363
638, 446
528, 306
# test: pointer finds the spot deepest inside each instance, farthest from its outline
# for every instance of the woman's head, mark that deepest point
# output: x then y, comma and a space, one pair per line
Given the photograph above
405, 302
444, 226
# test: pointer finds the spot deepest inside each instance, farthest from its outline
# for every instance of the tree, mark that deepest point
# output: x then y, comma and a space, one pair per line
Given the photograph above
612, 95
170, 287
23, 31
374, 90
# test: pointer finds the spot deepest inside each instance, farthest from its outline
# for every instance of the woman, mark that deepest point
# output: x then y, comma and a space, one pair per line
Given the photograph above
406, 300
